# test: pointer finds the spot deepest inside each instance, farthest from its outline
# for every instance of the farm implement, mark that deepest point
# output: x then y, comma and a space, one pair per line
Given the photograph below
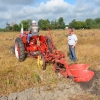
42, 48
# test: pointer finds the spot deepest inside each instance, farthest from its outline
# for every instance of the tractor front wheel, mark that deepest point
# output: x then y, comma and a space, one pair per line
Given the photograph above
19, 49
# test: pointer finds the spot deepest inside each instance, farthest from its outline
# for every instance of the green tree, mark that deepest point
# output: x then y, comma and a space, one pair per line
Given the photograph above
97, 21
44, 24
54, 24
8, 27
16, 27
40, 22
1, 29
26, 24
72, 24
61, 24
80, 25
90, 23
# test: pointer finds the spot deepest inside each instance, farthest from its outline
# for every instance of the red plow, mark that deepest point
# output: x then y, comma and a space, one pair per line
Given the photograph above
42, 48
78, 72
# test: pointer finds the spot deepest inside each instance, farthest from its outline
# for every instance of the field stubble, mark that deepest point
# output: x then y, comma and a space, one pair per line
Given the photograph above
17, 76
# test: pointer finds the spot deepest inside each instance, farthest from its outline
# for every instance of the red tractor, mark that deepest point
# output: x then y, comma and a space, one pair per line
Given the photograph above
42, 48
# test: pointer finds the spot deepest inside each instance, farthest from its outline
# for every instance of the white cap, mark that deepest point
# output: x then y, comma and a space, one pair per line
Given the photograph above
33, 21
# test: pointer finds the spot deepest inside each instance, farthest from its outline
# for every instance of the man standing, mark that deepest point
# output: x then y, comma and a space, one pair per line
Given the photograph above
33, 31
72, 41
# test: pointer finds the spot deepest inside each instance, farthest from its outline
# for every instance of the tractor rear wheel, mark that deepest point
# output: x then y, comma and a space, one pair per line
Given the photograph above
19, 49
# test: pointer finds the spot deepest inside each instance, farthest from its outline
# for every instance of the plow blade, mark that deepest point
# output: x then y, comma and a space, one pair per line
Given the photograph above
80, 72
81, 75
78, 66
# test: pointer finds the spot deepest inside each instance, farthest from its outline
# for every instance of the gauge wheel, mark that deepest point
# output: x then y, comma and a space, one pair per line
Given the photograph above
41, 62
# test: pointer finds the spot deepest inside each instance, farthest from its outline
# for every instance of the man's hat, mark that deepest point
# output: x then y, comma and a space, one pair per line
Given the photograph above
33, 21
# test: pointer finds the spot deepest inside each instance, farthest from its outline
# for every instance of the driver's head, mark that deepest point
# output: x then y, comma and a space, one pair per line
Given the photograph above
33, 22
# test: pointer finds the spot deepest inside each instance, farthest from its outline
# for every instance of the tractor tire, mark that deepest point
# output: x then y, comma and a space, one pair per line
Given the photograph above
19, 49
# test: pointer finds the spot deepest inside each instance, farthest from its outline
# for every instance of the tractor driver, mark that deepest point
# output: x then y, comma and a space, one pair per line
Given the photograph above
33, 31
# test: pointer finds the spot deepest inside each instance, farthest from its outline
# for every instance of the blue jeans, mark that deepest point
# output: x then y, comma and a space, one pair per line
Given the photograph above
28, 37
72, 54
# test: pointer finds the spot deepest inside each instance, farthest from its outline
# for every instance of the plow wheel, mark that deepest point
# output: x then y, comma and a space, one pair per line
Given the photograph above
58, 67
50, 45
19, 49
41, 62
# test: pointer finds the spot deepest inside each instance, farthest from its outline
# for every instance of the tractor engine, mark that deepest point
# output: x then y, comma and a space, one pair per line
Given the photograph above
33, 48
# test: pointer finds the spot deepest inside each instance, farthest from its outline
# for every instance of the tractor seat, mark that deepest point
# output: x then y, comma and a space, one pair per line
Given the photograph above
33, 37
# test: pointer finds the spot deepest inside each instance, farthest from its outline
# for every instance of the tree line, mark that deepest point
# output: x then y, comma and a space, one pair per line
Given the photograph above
57, 24
87, 24
43, 25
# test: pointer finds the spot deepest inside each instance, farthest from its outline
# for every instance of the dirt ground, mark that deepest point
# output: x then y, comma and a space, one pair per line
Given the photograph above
72, 91
92, 88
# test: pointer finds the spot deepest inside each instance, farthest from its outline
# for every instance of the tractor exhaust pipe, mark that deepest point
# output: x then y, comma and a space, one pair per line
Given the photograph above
22, 30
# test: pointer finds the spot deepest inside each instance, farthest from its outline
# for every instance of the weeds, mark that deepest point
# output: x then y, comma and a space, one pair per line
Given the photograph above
36, 77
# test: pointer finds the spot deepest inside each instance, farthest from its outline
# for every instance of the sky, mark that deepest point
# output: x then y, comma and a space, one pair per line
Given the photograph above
14, 11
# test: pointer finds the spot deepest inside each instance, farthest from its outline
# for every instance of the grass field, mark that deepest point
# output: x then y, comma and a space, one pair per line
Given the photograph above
16, 76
